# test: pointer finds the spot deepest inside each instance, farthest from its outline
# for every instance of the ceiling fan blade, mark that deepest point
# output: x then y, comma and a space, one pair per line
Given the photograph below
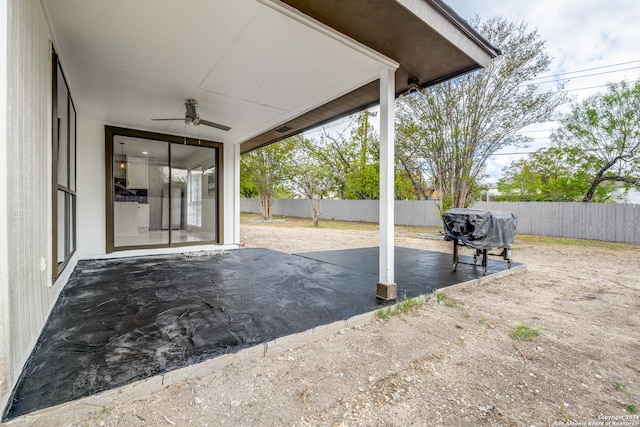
214, 125
159, 120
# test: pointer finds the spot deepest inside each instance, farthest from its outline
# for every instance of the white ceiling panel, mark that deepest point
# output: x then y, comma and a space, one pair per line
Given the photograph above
226, 110
276, 61
116, 97
250, 66
175, 41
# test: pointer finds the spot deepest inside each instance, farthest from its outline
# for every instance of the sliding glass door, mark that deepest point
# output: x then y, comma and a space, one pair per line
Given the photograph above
140, 181
194, 183
163, 193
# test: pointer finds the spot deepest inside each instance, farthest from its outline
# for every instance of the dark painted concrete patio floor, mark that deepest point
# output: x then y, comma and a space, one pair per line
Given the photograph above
122, 320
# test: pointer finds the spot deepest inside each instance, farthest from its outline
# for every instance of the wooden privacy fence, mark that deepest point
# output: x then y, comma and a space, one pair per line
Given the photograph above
593, 221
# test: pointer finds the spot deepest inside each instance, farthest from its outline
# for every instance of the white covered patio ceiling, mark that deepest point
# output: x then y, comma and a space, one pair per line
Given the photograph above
258, 66
252, 65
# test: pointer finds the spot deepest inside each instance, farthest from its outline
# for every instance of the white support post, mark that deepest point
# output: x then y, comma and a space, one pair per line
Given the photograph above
231, 214
387, 289
236, 194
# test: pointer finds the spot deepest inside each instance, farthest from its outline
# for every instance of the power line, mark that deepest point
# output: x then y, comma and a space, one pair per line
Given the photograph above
588, 75
330, 125
586, 69
540, 130
513, 154
349, 118
596, 87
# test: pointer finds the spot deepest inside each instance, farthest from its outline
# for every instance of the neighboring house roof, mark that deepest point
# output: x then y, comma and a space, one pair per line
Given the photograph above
266, 68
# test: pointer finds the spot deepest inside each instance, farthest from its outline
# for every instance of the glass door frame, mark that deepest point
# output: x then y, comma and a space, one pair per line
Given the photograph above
110, 133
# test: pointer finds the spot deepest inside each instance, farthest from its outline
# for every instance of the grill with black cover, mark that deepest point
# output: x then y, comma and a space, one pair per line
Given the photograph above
481, 230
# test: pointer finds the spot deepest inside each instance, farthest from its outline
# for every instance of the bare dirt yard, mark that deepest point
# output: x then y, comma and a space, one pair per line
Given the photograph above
557, 344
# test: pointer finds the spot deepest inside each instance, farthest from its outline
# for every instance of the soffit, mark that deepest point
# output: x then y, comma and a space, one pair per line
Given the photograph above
255, 66
428, 39
250, 66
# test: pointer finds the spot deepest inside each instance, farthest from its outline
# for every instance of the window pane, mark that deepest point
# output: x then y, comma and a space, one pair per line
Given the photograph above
140, 186
72, 147
64, 163
193, 183
62, 230
194, 198
72, 223
62, 140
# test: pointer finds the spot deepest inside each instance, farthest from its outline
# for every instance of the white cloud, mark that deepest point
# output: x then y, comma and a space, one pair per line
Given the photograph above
580, 35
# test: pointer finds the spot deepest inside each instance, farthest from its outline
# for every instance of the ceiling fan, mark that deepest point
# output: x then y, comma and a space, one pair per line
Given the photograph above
191, 117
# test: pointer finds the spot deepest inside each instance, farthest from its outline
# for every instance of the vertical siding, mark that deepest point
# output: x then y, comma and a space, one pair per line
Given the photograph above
4, 208
28, 180
594, 221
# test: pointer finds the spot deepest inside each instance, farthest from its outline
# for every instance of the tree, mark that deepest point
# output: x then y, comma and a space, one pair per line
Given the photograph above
555, 174
520, 184
607, 126
311, 179
267, 169
411, 166
248, 187
457, 125
353, 158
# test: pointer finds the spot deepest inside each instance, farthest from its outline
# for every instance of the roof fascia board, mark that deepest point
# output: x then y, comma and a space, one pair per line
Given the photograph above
300, 17
461, 23
452, 27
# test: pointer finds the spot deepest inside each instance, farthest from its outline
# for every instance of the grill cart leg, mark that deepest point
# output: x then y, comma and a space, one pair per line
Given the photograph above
455, 254
484, 261
476, 254
506, 255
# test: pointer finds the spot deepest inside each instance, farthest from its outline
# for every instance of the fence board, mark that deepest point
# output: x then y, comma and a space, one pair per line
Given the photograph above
593, 221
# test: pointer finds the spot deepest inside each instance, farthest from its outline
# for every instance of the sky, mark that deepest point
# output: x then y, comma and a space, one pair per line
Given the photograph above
592, 43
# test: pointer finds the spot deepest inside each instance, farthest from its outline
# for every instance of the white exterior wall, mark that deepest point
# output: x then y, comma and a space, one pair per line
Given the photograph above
26, 228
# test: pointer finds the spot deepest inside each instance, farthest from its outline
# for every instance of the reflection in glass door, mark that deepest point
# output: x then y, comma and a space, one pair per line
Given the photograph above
163, 193
140, 179
193, 183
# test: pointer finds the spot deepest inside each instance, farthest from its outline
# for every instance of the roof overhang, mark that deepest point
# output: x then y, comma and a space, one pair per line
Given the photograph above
258, 66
